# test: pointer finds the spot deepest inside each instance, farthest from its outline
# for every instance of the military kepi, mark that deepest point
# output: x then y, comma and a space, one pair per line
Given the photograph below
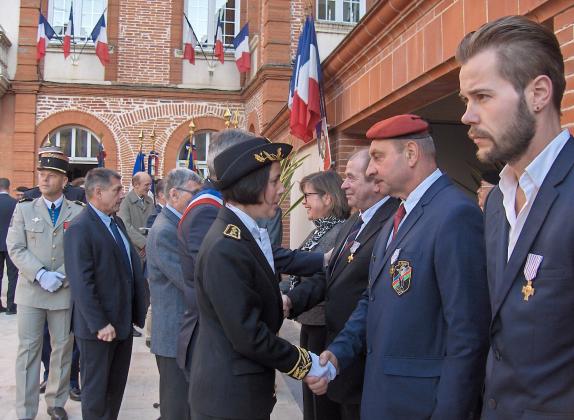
406, 126
53, 158
241, 159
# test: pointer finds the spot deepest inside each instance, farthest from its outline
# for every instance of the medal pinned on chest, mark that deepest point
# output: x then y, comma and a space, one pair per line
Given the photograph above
401, 273
353, 249
533, 262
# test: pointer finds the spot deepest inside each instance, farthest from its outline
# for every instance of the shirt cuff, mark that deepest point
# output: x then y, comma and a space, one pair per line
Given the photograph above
39, 273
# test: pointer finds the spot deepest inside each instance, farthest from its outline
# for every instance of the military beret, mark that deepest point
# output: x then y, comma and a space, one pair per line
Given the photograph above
397, 127
53, 158
241, 159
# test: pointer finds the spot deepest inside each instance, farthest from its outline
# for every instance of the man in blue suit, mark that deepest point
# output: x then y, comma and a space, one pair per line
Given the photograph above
7, 205
423, 321
513, 67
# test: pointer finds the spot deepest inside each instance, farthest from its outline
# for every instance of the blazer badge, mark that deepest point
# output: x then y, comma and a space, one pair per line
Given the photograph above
533, 262
401, 274
232, 231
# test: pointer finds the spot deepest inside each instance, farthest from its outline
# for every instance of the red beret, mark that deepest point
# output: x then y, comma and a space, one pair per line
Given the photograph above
397, 127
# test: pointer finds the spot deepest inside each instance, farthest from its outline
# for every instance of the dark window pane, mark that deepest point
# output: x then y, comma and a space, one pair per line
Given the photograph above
66, 141
94, 149
81, 148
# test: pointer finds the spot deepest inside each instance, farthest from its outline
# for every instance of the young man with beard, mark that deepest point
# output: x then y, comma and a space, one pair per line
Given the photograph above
513, 67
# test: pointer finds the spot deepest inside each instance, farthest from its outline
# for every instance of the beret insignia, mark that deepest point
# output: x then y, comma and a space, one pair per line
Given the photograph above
232, 231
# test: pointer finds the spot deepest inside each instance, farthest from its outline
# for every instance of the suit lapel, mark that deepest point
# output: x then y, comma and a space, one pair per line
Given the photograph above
538, 213
107, 235
334, 265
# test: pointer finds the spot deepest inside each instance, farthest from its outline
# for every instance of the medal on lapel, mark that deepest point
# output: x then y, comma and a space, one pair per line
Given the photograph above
402, 275
533, 262
353, 249
66, 224
394, 259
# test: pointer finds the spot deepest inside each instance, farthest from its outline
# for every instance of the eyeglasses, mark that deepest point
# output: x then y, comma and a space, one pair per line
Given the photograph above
192, 192
306, 195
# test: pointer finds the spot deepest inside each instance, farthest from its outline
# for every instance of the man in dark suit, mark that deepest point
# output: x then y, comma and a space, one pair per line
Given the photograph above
528, 225
7, 205
108, 295
347, 273
159, 202
423, 321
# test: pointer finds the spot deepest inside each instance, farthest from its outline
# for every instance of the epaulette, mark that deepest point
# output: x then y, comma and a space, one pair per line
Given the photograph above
232, 231
80, 203
25, 199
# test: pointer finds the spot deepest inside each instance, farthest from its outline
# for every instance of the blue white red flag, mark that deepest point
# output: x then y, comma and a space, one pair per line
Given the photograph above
100, 37
69, 33
305, 88
45, 33
139, 164
242, 52
190, 43
218, 45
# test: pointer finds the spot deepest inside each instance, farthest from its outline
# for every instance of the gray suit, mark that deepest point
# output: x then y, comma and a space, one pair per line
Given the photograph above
34, 242
134, 212
166, 283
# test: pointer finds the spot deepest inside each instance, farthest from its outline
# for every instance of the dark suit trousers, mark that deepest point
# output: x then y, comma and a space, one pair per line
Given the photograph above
12, 272
316, 407
104, 373
198, 416
350, 411
173, 389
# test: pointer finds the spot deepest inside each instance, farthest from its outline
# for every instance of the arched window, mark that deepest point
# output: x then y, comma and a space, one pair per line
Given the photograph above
80, 145
202, 148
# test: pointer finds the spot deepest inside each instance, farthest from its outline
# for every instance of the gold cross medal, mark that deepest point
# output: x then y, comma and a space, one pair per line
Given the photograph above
533, 262
353, 249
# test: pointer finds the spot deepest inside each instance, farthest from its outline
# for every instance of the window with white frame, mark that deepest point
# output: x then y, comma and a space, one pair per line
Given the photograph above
202, 15
202, 148
86, 15
348, 11
78, 143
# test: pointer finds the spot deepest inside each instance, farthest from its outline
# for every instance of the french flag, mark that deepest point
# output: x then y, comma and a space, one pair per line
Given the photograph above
304, 91
218, 47
45, 33
69, 33
190, 43
100, 38
242, 53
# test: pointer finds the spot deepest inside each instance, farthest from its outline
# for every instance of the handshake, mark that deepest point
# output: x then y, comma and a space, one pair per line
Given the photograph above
323, 370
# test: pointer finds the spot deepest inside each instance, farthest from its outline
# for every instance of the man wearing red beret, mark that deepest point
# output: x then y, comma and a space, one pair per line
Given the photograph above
423, 320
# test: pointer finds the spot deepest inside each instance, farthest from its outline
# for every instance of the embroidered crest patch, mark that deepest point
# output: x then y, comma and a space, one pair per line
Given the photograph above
232, 231
402, 274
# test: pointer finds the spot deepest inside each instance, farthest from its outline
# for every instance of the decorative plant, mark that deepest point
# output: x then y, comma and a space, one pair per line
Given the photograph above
288, 167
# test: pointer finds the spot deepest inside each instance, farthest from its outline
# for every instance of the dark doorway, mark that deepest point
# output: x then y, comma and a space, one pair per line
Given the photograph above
79, 170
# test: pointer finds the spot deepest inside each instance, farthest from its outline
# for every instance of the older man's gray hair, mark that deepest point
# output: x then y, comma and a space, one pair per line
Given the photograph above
178, 178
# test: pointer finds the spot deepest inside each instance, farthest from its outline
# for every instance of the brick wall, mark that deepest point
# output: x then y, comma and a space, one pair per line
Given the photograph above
564, 29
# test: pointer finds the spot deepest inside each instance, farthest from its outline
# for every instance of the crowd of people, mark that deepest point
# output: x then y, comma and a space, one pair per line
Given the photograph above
413, 303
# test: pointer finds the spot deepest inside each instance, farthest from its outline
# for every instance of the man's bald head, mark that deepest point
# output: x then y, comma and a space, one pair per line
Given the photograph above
141, 182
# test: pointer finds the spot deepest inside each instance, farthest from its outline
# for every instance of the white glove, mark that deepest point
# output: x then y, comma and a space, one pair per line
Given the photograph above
51, 280
328, 371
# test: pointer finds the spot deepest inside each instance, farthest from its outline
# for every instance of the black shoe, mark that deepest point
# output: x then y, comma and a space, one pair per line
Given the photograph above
75, 394
136, 333
43, 386
57, 413
11, 310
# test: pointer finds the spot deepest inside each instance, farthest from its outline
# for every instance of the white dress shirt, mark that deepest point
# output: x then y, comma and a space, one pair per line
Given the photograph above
368, 214
56, 203
530, 182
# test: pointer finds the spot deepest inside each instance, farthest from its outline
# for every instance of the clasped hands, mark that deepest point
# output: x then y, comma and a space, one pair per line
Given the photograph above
51, 280
324, 368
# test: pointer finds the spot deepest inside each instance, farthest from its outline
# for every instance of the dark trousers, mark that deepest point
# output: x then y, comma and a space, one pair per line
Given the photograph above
47, 351
104, 373
198, 416
12, 272
350, 411
315, 407
172, 390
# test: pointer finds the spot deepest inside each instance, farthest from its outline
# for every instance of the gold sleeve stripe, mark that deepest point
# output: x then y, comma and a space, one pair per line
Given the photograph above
303, 365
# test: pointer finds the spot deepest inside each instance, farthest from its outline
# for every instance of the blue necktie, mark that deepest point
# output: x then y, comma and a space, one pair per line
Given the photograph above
120, 242
54, 213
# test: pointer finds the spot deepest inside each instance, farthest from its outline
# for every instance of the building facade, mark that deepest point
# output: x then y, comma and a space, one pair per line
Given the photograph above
379, 58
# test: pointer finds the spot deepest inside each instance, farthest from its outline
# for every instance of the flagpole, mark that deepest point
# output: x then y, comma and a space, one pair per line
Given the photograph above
194, 34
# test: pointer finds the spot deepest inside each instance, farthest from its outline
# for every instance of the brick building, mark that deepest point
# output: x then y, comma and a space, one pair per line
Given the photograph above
397, 58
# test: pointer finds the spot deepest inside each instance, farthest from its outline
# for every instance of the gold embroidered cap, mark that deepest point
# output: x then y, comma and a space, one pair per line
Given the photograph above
53, 158
241, 159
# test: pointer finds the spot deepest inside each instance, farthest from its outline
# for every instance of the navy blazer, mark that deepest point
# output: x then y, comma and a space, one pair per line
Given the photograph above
530, 368
103, 290
425, 348
7, 205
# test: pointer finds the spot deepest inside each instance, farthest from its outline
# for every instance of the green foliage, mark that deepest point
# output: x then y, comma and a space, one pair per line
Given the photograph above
288, 167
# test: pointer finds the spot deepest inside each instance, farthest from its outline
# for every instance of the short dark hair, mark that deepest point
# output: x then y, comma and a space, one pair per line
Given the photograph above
4, 184
329, 182
21, 188
159, 186
99, 177
525, 50
248, 189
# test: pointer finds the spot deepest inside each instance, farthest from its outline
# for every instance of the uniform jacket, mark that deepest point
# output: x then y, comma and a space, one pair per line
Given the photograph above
34, 243
425, 348
104, 291
7, 205
134, 213
529, 369
165, 276
240, 306
341, 288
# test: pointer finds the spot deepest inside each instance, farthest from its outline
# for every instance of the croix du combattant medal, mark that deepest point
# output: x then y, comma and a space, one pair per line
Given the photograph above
353, 249
533, 262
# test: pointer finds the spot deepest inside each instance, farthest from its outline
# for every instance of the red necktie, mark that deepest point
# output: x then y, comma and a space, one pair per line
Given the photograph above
399, 215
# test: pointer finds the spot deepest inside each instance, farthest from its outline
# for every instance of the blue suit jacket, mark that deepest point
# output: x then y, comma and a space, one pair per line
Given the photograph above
530, 369
425, 348
7, 205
